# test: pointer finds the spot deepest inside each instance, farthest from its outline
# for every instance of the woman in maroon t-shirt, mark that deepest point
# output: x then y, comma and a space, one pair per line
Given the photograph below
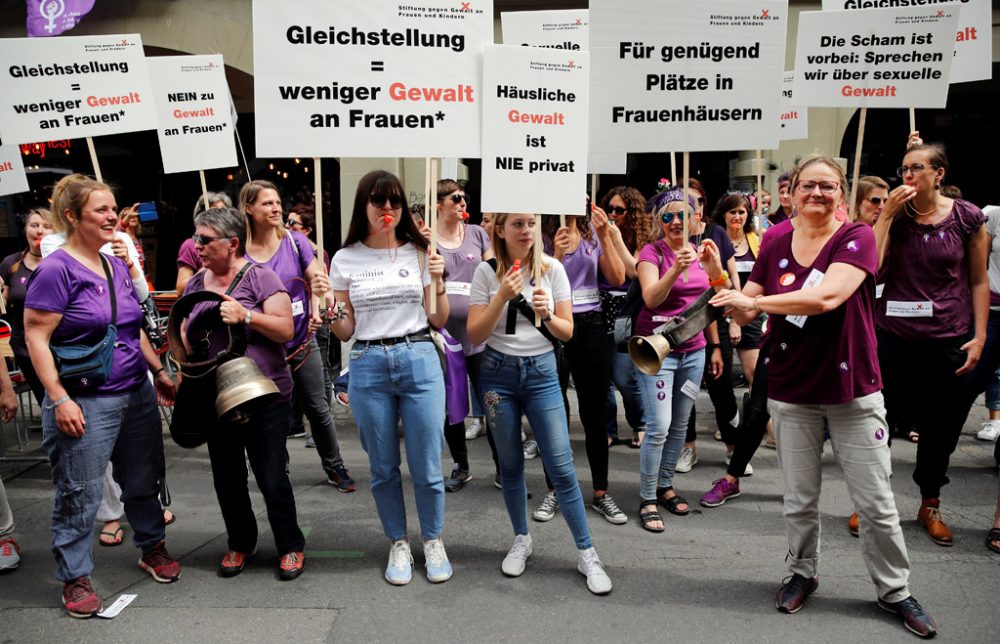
816, 282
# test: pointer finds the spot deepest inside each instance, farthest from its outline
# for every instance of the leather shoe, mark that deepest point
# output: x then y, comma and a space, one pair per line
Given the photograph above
915, 619
930, 517
853, 526
792, 595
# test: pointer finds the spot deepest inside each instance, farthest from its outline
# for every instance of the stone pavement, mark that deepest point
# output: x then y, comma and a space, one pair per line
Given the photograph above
710, 577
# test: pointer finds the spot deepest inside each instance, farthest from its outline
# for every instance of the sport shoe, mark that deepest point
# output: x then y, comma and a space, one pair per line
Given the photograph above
517, 557
687, 460
530, 448
459, 477
722, 490
341, 479
990, 431
475, 429
291, 565
79, 598
436, 561
930, 517
497, 483
400, 568
234, 562
792, 595
915, 618
589, 565
311, 442
748, 471
160, 565
300, 434
10, 554
547, 508
607, 508
854, 526
718, 435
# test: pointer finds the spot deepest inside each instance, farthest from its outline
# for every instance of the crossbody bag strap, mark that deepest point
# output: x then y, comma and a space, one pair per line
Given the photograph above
239, 277
111, 289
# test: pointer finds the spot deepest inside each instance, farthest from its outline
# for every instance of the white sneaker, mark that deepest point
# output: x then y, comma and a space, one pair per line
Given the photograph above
530, 448
589, 565
547, 509
747, 472
475, 429
437, 564
990, 431
687, 460
517, 558
400, 568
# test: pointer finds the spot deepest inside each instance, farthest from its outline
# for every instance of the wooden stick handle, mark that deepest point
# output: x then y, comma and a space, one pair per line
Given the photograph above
913, 120
318, 206
204, 188
687, 217
432, 211
857, 164
93, 159
536, 250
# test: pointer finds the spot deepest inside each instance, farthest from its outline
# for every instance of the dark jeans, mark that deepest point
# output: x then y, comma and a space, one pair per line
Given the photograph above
261, 440
753, 420
23, 362
980, 377
720, 391
919, 379
312, 395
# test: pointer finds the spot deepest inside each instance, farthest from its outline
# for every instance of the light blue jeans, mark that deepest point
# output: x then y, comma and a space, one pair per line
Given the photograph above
388, 383
510, 386
624, 378
667, 410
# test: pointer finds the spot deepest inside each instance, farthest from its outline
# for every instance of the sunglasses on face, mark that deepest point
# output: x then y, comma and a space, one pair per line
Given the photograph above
668, 217
877, 201
458, 197
205, 240
617, 210
292, 222
395, 201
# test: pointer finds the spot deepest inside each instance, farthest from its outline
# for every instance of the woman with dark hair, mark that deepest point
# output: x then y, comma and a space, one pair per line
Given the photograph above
784, 210
382, 281
872, 194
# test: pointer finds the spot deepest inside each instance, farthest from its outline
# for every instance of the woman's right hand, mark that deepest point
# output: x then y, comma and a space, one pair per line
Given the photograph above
898, 198
914, 139
560, 243
684, 258
70, 420
512, 284
120, 249
231, 311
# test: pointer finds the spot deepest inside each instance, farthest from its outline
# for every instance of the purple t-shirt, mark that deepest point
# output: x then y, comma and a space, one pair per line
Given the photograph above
459, 266
289, 263
682, 295
830, 358
583, 271
257, 285
926, 276
62, 284
187, 256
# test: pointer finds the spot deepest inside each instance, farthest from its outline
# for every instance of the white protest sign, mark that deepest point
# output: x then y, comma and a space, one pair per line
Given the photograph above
681, 75
973, 55
369, 78
891, 58
12, 177
74, 86
555, 29
534, 130
192, 98
794, 119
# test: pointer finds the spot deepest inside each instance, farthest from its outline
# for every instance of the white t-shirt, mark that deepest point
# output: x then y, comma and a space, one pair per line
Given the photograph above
387, 295
52, 241
526, 340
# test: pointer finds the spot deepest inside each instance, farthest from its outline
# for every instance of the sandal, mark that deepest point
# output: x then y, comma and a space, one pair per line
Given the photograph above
118, 537
170, 521
614, 440
637, 436
672, 503
991, 536
649, 517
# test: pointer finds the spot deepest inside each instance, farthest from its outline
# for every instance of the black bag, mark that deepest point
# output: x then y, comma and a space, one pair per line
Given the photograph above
83, 368
621, 311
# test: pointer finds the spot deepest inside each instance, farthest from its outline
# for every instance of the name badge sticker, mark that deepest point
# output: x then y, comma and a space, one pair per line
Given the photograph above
458, 288
297, 308
586, 296
909, 309
690, 389
745, 266
878, 291
815, 279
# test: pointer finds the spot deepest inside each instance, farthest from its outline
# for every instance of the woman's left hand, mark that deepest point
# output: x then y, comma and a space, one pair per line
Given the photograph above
166, 390
540, 302
599, 220
8, 404
320, 284
735, 333
435, 265
710, 258
715, 363
973, 350
231, 311
728, 298
315, 322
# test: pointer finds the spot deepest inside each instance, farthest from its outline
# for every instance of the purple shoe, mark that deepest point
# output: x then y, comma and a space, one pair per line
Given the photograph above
722, 490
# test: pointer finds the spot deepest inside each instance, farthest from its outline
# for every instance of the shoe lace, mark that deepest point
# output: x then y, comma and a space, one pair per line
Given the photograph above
399, 555
290, 561
912, 606
434, 551
591, 563
549, 504
342, 473
795, 585
231, 558
158, 556
7, 547
520, 550
608, 505
79, 589
933, 514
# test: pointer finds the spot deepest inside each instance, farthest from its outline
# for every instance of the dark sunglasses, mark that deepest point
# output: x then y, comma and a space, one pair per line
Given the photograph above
877, 201
668, 217
292, 222
617, 210
379, 200
458, 197
205, 240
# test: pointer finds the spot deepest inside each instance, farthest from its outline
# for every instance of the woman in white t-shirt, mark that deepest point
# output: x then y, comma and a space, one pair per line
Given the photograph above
519, 375
382, 277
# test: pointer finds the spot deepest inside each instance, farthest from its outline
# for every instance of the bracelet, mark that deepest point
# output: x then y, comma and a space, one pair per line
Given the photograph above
715, 345
158, 371
58, 402
246, 320
756, 305
722, 279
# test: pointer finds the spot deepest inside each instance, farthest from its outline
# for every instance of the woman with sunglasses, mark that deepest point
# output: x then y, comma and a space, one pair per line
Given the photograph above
816, 282
463, 246
188, 261
872, 195
673, 273
382, 282
293, 258
932, 316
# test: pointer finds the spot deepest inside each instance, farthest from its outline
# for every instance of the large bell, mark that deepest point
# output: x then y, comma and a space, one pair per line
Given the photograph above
648, 352
242, 389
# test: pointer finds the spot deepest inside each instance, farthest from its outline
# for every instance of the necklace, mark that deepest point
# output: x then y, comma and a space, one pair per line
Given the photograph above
460, 236
392, 252
913, 212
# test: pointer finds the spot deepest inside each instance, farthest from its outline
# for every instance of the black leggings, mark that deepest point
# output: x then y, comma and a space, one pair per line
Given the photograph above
753, 421
720, 390
454, 434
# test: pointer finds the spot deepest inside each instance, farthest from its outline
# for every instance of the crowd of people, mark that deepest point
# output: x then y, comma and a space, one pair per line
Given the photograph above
840, 324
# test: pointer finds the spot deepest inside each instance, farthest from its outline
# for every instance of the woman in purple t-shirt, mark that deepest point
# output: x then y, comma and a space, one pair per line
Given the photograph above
188, 261
74, 296
817, 284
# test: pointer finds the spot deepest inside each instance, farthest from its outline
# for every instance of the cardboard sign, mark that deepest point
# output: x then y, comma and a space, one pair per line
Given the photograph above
192, 98
794, 119
12, 177
892, 58
534, 130
552, 29
369, 78
680, 75
74, 86
973, 59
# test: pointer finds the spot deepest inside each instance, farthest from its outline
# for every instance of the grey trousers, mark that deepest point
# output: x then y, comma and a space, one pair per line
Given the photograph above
859, 435
6, 516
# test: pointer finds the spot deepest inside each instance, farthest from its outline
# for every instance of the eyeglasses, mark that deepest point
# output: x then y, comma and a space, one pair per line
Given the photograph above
878, 201
458, 197
292, 222
916, 168
826, 187
205, 240
617, 210
668, 217
395, 201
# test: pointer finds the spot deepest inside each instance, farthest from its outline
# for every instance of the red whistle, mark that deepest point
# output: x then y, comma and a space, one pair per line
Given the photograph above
465, 216
517, 264
387, 219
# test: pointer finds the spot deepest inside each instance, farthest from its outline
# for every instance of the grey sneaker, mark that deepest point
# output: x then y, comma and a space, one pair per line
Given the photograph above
607, 508
10, 554
687, 460
517, 558
530, 448
590, 566
459, 477
547, 509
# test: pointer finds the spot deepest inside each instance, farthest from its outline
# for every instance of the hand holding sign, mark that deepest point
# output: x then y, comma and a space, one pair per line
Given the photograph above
540, 303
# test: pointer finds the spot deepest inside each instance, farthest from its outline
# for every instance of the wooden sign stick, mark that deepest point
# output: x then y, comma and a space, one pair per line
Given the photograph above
204, 188
432, 211
857, 164
93, 159
537, 261
687, 217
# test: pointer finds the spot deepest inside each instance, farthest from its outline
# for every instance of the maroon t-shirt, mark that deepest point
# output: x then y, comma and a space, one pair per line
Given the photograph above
926, 276
830, 358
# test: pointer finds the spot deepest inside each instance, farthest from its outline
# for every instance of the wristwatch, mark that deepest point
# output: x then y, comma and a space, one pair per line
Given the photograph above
246, 320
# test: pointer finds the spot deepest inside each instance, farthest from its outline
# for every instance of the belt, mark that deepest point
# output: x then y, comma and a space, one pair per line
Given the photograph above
419, 336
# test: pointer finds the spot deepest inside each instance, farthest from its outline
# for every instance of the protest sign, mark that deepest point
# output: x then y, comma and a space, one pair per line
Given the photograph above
892, 58
794, 119
553, 29
12, 177
534, 130
369, 77
74, 86
679, 75
973, 55
192, 98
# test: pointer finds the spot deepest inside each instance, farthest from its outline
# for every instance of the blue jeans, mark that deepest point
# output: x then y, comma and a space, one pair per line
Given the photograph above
624, 379
388, 383
667, 410
125, 430
509, 386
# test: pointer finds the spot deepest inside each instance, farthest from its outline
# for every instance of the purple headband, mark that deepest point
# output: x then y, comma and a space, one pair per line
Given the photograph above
671, 195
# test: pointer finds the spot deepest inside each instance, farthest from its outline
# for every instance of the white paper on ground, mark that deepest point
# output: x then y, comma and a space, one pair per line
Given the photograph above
117, 607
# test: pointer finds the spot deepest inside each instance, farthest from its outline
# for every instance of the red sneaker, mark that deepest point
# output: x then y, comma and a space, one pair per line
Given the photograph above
291, 565
234, 562
80, 599
160, 565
